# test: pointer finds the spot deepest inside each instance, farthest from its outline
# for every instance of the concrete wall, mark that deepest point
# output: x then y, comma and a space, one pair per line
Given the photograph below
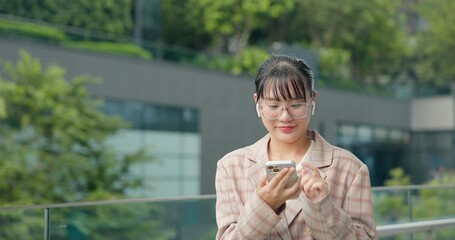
227, 116
433, 114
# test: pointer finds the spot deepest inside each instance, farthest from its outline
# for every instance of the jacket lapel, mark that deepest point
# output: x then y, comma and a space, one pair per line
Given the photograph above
321, 154
321, 157
258, 157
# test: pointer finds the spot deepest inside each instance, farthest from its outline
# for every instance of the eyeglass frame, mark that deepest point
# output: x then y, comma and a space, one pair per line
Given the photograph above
286, 106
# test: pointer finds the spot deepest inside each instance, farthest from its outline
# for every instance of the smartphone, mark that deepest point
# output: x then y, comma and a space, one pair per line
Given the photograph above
272, 168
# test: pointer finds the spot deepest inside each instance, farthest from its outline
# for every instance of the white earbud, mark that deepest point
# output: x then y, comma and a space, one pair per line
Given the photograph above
257, 110
313, 107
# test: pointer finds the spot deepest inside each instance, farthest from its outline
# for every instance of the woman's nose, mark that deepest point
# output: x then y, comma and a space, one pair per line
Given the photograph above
285, 115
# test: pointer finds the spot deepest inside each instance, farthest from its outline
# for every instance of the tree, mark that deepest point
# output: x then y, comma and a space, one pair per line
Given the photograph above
232, 21
438, 203
112, 17
391, 206
244, 63
366, 31
180, 28
54, 150
435, 52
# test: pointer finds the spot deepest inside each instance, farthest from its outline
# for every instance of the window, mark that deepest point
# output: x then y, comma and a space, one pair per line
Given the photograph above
170, 135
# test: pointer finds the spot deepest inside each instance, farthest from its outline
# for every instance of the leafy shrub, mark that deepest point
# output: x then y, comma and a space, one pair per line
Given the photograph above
246, 62
391, 206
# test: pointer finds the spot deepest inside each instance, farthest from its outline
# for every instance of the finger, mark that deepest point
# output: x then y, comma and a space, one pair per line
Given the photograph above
262, 182
296, 187
293, 192
305, 178
293, 177
278, 177
308, 186
320, 186
314, 170
285, 179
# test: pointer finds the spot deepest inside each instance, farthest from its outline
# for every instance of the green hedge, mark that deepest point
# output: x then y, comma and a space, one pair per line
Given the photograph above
51, 34
125, 49
13, 28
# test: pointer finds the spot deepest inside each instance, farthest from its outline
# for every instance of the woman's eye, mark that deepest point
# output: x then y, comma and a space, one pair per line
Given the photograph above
297, 105
272, 106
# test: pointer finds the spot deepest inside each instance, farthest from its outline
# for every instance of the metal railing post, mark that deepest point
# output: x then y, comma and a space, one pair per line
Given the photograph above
429, 234
409, 193
409, 196
46, 224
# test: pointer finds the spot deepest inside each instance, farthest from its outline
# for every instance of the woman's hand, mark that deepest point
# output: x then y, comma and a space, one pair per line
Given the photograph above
314, 187
275, 193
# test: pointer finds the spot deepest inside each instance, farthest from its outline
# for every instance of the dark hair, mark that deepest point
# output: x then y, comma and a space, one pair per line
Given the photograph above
288, 77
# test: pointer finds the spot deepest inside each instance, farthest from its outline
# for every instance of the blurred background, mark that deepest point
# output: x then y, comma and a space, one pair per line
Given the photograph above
138, 99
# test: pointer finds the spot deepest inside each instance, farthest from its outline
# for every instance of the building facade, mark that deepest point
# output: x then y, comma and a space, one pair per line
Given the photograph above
188, 118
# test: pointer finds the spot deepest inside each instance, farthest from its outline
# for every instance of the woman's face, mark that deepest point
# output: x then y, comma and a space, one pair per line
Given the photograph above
286, 128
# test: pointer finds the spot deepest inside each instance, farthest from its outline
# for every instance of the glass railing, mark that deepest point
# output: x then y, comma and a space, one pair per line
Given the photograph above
167, 219
194, 217
413, 203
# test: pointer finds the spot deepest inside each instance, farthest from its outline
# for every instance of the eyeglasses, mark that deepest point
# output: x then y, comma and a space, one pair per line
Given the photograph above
273, 109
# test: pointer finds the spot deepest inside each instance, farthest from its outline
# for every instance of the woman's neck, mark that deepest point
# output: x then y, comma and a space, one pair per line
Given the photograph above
288, 151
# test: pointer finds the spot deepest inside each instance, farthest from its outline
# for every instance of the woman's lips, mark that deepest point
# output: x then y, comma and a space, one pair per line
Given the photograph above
286, 128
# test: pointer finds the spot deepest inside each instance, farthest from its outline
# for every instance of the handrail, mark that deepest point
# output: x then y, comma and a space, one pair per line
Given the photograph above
107, 202
199, 197
411, 187
412, 227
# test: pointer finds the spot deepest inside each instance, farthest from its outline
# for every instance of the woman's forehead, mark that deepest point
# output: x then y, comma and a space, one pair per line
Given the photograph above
283, 90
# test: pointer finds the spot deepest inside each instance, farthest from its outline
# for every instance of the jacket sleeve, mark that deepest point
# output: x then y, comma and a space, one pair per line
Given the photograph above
253, 219
354, 220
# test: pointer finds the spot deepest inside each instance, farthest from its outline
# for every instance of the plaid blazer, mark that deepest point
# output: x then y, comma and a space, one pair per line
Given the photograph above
345, 214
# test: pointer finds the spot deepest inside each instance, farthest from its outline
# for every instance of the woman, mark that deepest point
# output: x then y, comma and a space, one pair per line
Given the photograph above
331, 198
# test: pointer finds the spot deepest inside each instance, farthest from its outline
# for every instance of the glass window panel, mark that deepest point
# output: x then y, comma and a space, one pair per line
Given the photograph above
406, 137
150, 117
126, 140
155, 117
191, 187
396, 135
169, 134
346, 135
163, 142
113, 108
164, 187
347, 130
190, 120
191, 143
169, 119
132, 113
365, 134
192, 167
166, 166
380, 134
